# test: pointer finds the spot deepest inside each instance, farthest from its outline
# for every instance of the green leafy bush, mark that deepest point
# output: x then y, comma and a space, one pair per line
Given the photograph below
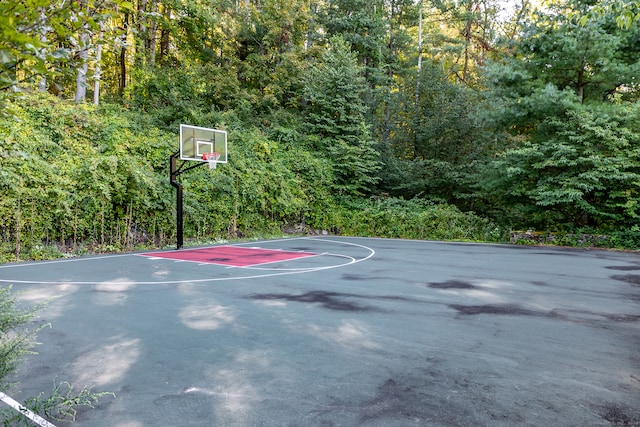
79, 175
583, 170
16, 338
61, 405
410, 219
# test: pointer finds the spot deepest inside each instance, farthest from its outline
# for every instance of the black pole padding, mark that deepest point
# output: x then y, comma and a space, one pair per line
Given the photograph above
174, 171
179, 219
173, 176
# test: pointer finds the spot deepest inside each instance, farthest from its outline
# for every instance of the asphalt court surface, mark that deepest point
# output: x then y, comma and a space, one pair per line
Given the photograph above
333, 331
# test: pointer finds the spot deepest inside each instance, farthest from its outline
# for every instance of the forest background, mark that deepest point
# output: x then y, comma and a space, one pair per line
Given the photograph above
435, 119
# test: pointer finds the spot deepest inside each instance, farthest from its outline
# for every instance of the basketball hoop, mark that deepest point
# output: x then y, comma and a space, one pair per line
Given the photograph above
212, 158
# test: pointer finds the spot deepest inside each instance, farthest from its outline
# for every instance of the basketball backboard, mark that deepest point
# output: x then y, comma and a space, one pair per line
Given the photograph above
199, 144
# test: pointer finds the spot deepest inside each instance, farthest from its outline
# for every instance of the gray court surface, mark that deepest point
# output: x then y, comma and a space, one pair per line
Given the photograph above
369, 332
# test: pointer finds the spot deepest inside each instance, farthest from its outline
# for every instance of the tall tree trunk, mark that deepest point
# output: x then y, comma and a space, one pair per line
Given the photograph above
42, 53
98, 70
142, 34
418, 78
81, 77
519, 17
83, 54
580, 84
311, 27
164, 36
419, 55
122, 82
153, 30
467, 32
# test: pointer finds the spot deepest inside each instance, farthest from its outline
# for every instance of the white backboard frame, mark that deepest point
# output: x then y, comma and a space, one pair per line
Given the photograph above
196, 141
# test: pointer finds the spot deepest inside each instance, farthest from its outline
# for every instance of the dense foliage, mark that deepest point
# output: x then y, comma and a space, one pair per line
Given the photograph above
94, 179
375, 118
16, 338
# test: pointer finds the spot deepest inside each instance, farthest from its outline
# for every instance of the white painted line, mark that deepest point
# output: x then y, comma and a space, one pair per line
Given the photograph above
64, 260
348, 260
24, 411
300, 269
276, 261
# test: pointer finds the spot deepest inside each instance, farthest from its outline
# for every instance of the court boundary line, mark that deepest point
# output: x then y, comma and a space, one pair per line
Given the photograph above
214, 279
103, 256
59, 261
25, 411
274, 262
302, 269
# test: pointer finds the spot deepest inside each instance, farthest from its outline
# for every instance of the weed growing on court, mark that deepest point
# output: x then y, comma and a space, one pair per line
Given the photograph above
62, 405
17, 339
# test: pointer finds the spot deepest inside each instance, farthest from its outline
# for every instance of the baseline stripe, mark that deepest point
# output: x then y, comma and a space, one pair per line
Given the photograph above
24, 411
269, 272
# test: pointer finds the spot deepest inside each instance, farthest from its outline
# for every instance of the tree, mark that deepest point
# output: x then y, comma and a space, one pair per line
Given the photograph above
437, 140
336, 114
83, 55
362, 24
460, 35
271, 50
46, 44
98, 69
627, 12
594, 60
557, 62
561, 95
584, 170
26, 55
477, 20
92, 17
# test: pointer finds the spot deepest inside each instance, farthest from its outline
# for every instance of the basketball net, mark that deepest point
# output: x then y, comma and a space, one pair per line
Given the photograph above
212, 159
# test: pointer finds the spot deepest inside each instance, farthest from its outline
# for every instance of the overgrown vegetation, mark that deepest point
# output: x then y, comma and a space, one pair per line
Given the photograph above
16, 337
61, 404
18, 331
77, 177
81, 179
373, 118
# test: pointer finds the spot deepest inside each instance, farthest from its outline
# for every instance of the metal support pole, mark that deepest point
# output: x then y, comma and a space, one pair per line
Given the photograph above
174, 171
174, 181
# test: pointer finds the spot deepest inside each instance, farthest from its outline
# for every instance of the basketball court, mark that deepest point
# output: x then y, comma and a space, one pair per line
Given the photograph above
341, 331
